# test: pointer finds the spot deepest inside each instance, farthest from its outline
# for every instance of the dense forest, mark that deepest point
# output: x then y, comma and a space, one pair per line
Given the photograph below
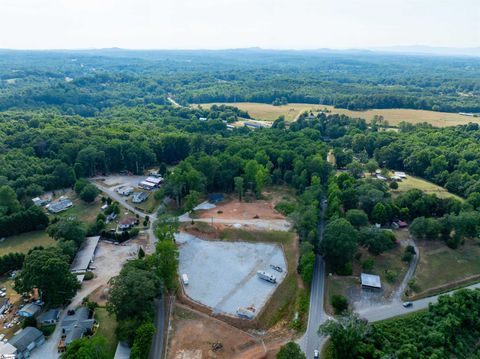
448, 329
85, 82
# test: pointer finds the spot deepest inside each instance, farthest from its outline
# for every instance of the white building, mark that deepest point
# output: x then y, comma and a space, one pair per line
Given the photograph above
370, 281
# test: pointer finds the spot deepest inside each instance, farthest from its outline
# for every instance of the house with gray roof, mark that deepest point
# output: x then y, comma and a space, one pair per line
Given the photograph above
139, 197
27, 340
74, 326
49, 317
59, 206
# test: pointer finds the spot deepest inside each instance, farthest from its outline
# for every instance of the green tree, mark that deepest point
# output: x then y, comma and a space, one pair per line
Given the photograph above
49, 271
357, 217
8, 201
87, 348
371, 166
142, 342
166, 263
339, 303
339, 243
379, 214
355, 169
132, 293
425, 228
291, 350
239, 187
68, 230
346, 335
191, 201
89, 193
306, 264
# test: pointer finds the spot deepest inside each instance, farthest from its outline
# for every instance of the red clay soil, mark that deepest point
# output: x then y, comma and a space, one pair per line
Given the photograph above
194, 333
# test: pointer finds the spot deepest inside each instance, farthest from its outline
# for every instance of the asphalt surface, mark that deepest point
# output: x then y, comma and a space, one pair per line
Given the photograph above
396, 309
311, 341
156, 350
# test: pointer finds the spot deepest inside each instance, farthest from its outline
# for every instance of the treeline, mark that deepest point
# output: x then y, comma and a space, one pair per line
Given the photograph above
84, 83
447, 329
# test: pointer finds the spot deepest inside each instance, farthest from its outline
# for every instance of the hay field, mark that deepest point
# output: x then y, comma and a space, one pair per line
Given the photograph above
269, 112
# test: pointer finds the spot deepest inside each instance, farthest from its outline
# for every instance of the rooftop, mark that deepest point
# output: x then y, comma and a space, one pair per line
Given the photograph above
85, 254
31, 309
22, 340
77, 324
49, 315
370, 280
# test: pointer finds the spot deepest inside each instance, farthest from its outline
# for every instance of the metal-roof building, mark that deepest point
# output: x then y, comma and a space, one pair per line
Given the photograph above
85, 255
370, 281
27, 340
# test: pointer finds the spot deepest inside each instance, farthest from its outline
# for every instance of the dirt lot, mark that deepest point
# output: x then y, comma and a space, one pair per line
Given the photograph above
194, 333
109, 260
234, 209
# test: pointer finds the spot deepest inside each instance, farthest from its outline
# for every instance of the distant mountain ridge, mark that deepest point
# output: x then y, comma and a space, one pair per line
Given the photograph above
431, 50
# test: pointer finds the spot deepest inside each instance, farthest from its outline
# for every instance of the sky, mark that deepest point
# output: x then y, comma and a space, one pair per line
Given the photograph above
220, 24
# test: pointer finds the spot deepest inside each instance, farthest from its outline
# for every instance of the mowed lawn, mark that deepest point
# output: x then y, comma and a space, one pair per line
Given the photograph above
107, 325
85, 212
269, 112
412, 182
441, 266
22, 243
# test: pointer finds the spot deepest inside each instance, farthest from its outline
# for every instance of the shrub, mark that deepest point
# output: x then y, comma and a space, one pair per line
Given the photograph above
285, 208
339, 303
346, 269
391, 276
88, 275
368, 264
393, 185
48, 330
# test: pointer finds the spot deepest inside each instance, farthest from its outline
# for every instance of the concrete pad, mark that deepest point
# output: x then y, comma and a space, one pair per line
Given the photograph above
204, 205
223, 275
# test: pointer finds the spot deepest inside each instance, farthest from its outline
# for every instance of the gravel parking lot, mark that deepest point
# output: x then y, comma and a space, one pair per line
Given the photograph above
223, 275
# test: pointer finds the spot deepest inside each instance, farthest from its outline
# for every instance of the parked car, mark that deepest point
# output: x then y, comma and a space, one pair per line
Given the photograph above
316, 354
407, 304
277, 268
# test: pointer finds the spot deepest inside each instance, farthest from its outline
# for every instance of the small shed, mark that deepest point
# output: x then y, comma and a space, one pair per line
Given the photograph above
371, 281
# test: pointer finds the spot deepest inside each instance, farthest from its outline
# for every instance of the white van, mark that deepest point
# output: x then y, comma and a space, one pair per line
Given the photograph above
185, 279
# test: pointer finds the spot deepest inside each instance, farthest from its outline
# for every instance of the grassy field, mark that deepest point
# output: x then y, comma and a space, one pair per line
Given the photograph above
269, 112
441, 268
85, 212
284, 302
107, 326
26, 241
412, 182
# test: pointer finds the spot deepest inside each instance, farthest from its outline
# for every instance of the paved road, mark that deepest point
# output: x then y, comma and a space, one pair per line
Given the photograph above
395, 309
316, 313
311, 340
156, 349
